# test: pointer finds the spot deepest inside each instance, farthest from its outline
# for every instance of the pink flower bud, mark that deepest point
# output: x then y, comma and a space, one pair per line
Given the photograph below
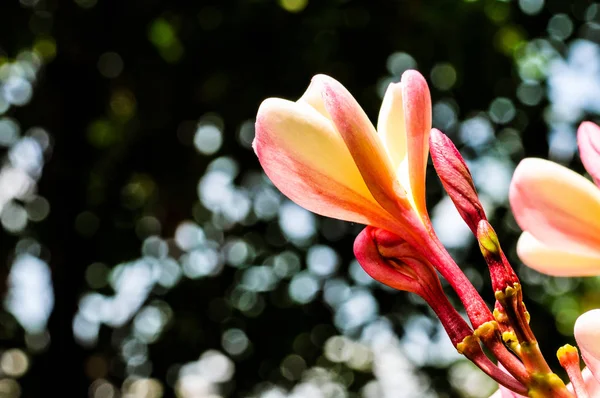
456, 178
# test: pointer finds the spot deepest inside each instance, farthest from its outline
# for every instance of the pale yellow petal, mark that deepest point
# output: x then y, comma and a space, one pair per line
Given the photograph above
304, 156
391, 127
364, 145
556, 205
557, 260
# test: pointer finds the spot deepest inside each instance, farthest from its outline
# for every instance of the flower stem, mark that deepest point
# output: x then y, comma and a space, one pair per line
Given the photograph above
467, 342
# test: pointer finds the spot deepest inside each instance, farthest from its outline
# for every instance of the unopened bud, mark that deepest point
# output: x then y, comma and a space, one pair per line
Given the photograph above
488, 240
456, 178
502, 274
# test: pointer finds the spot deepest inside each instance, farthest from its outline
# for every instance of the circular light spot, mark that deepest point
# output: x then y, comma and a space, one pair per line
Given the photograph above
293, 5
235, 341
155, 247
444, 116
17, 90
37, 209
13, 217
189, 235
502, 110
530, 93
10, 388
237, 252
9, 131
296, 222
14, 363
531, 7
96, 275
201, 262
338, 349
560, 26
443, 76
292, 367
246, 134
208, 139
110, 65
322, 260
397, 63
303, 288
102, 389
216, 367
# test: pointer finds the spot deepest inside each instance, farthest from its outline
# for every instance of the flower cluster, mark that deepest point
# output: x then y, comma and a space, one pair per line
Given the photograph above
324, 154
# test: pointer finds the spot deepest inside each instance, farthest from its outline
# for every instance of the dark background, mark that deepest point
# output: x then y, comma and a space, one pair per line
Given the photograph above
225, 57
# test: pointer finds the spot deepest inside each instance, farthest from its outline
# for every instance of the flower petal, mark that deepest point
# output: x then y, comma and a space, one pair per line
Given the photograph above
391, 127
417, 111
587, 334
365, 146
588, 138
556, 260
307, 160
381, 269
556, 205
504, 392
314, 97
591, 383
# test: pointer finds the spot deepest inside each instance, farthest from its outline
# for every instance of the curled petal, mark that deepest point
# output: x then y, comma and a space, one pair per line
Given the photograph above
557, 260
556, 205
417, 112
588, 138
307, 160
587, 334
381, 269
364, 145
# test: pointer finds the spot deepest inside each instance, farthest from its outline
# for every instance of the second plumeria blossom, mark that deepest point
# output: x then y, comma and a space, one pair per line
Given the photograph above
559, 211
323, 152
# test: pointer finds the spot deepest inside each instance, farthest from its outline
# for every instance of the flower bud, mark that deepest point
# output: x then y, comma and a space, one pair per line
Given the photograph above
456, 178
501, 272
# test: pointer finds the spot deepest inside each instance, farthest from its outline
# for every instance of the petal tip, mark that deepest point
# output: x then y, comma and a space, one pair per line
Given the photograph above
588, 127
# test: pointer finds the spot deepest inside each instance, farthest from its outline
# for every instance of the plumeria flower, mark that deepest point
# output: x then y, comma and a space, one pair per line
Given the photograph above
559, 212
324, 154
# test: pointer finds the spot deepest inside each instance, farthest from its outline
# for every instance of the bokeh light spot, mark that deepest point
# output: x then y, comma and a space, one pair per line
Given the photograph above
443, 76
208, 139
502, 110
531, 7
560, 26
14, 362
110, 65
293, 5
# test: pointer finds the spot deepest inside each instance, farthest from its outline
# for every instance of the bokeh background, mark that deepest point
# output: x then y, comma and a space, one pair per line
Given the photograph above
145, 254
